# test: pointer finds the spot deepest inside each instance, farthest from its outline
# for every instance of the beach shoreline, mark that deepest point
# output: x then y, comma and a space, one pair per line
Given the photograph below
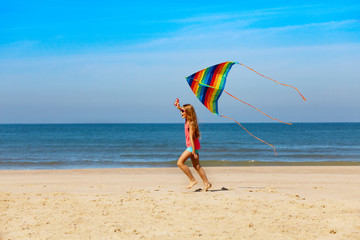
282, 202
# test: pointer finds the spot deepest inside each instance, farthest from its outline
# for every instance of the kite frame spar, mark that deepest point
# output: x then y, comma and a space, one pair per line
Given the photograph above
209, 83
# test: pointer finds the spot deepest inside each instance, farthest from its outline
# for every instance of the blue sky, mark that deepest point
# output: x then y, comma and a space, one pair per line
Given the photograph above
114, 62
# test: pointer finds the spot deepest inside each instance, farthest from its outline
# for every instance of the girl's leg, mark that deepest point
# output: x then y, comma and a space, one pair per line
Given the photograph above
201, 171
184, 156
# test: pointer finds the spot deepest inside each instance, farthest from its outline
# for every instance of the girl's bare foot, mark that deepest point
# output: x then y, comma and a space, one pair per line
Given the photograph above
207, 186
191, 184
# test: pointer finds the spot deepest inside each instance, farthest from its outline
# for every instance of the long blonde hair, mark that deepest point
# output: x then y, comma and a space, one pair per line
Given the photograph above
191, 118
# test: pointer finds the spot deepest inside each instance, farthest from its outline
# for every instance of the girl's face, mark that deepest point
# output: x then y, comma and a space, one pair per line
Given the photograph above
183, 113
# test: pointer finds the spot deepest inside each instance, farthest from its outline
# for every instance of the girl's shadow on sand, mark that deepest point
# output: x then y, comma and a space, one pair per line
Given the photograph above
214, 190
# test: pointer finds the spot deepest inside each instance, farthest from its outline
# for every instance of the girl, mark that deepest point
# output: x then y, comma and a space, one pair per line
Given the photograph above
192, 135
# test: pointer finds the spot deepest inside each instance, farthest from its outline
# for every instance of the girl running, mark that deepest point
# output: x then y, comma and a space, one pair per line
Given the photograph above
192, 135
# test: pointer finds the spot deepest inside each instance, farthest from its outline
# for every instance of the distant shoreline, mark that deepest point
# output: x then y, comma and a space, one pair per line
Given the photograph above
211, 164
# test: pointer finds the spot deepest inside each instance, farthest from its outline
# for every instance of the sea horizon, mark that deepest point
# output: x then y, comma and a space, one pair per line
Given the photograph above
65, 123
139, 145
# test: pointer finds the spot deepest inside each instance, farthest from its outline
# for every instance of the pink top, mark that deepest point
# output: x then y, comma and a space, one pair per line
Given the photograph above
187, 137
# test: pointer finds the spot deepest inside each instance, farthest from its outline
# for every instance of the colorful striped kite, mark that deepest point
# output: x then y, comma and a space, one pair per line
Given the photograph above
209, 83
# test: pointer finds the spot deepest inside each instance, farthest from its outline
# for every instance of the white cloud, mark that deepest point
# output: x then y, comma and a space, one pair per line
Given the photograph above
235, 35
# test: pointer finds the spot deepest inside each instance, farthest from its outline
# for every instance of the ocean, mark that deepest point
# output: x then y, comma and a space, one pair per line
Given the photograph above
73, 146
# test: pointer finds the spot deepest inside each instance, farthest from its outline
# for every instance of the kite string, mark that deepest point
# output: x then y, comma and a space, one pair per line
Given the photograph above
244, 102
274, 80
256, 108
250, 133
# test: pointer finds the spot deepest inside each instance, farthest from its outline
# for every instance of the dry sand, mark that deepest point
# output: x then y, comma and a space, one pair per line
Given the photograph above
260, 203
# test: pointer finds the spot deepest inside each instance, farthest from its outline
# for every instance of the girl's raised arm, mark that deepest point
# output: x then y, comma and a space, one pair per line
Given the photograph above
177, 104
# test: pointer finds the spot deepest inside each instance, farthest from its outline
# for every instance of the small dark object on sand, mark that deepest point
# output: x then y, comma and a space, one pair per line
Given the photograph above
224, 189
198, 190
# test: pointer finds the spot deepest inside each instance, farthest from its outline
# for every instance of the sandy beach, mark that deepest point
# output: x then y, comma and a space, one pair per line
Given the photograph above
259, 203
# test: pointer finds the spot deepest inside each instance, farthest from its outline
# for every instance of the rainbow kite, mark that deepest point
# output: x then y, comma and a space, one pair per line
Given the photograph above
209, 83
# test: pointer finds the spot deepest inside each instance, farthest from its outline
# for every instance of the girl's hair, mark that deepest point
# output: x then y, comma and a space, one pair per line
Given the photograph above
191, 118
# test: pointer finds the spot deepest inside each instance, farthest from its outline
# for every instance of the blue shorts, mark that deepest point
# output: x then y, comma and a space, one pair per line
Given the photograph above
190, 149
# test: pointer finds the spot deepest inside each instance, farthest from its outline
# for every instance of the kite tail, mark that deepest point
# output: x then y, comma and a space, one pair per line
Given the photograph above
274, 80
250, 133
244, 103
256, 108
